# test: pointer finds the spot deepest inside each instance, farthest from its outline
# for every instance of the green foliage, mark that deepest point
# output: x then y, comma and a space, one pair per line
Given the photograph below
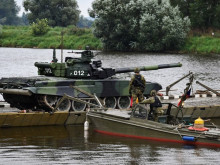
202, 45
8, 12
73, 30
40, 27
202, 13
57, 12
139, 25
20, 36
216, 20
163, 29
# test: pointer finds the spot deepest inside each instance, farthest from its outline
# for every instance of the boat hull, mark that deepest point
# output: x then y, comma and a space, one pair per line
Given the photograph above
149, 130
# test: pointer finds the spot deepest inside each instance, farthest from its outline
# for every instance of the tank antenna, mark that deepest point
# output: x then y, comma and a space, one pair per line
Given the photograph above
62, 46
62, 32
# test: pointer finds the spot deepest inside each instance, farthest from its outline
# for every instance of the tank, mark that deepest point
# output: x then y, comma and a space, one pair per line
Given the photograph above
55, 79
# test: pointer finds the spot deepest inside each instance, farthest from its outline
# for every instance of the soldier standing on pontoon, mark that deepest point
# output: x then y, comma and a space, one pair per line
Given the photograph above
137, 86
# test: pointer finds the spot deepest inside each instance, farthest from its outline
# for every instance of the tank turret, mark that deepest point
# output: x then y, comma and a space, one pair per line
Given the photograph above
84, 67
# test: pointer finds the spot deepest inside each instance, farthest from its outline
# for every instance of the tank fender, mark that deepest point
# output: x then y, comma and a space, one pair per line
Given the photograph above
57, 91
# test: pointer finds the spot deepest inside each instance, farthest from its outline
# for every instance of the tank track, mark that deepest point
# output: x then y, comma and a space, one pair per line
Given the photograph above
28, 102
42, 103
47, 102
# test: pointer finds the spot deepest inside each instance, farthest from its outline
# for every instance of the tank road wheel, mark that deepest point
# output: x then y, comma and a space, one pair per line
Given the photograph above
77, 106
110, 102
50, 101
65, 105
93, 102
124, 102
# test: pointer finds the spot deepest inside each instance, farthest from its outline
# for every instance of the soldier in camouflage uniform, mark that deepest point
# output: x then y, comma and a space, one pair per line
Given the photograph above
137, 86
155, 105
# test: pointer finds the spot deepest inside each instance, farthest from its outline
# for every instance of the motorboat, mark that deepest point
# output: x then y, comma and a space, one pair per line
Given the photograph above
139, 124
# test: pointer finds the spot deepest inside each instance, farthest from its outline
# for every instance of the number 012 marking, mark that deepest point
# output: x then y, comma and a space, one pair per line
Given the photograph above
78, 73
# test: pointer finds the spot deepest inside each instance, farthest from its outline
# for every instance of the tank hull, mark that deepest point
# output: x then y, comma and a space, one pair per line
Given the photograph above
28, 92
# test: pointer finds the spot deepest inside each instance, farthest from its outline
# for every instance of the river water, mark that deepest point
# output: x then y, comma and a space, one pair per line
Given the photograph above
71, 145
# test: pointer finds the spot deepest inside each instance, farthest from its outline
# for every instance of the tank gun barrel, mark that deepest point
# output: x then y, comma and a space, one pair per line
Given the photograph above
42, 65
75, 52
148, 68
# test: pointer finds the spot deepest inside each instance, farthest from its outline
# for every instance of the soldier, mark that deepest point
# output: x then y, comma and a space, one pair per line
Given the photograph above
155, 105
137, 86
87, 54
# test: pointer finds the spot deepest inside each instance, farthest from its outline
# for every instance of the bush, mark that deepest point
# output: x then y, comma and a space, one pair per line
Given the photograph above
40, 28
73, 30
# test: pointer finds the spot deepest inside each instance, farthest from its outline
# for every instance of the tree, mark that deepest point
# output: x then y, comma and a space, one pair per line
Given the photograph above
84, 22
184, 6
139, 25
163, 29
24, 19
112, 24
8, 12
57, 12
216, 20
202, 13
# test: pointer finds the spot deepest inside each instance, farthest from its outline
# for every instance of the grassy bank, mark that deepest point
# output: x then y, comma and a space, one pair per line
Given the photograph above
74, 38
202, 45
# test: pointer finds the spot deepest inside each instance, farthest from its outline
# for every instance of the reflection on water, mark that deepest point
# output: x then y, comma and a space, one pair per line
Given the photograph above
71, 145
68, 145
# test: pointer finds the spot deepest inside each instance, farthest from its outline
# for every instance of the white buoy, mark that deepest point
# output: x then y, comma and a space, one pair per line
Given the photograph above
86, 136
86, 126
86, 132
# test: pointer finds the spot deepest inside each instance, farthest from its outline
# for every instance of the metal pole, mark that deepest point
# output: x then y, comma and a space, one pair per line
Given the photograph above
210, 89
62, 36
168, 87
62, 46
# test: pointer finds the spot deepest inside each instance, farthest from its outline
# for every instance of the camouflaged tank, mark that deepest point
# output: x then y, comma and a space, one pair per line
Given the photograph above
55, 79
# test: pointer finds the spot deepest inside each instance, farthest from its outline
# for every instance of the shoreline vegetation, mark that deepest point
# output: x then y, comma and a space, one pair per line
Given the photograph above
78, 38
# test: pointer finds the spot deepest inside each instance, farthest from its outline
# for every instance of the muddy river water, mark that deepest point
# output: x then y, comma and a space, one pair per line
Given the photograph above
71, 145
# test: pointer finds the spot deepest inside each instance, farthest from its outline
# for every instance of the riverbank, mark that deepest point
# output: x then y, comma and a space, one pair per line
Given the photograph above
202, 45
75, 38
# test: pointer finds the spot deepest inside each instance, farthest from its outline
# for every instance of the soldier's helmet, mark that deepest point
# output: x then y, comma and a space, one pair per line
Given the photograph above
87, 48
153, 93
136, 70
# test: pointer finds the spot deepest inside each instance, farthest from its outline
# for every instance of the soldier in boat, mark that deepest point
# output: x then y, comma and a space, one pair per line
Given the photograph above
155, 106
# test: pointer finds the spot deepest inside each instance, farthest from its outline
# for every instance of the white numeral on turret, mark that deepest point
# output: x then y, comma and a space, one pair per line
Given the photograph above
48, 70
78, 73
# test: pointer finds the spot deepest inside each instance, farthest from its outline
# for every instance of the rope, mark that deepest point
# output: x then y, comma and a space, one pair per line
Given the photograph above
177, 127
